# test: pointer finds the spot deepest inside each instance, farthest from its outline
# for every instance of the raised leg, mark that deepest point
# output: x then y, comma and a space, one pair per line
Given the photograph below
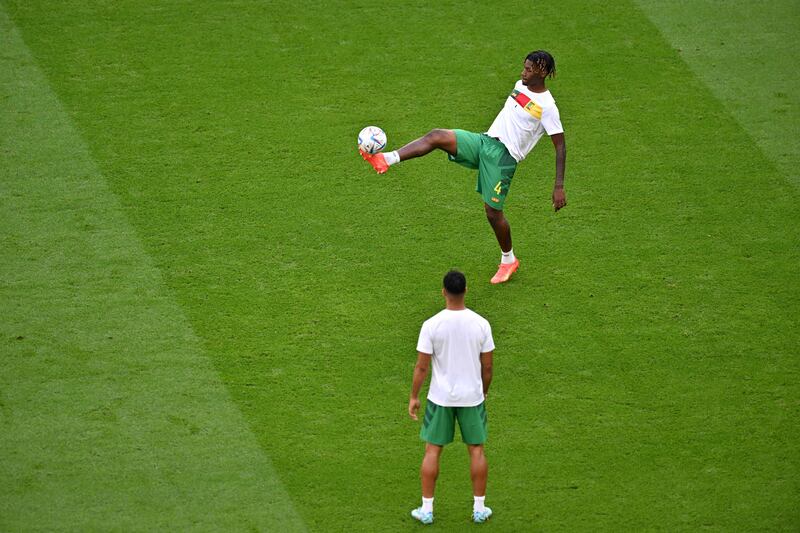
441, 139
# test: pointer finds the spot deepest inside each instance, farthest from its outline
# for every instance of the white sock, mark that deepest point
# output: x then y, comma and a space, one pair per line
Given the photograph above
391, 158
427, 505
508, 257
478, 505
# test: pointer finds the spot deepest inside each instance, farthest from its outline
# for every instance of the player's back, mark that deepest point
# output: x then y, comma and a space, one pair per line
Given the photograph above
456, 339
458, 333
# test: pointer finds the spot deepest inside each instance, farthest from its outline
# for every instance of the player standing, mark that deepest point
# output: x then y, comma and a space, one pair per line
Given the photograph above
528, 113
459, 343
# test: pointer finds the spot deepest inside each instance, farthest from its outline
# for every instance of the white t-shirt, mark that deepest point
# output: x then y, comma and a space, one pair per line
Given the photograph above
525, 117
456, 339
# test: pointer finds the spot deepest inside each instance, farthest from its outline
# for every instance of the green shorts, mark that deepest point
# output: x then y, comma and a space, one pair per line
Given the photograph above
494, 164
440, 424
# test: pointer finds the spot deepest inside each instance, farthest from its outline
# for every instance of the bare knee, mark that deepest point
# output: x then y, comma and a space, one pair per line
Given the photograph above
441, 139
437, 137
475, 450
432, 450
494, 215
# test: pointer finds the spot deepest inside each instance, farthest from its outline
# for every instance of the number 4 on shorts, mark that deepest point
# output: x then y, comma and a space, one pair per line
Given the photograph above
497, 188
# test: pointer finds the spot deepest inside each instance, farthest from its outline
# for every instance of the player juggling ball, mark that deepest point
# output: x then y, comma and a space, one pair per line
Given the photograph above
529, 112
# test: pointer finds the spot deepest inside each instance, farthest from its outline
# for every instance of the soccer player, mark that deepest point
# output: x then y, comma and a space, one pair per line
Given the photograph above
459, 343
528, 113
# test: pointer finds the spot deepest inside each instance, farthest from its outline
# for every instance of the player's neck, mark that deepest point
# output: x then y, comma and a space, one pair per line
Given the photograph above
537, 85
455, 305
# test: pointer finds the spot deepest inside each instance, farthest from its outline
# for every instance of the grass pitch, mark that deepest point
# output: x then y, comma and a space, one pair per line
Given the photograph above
210, 303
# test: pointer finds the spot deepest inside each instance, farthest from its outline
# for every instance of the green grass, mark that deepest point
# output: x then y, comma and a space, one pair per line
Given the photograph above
647, 362
744, 53
113, 416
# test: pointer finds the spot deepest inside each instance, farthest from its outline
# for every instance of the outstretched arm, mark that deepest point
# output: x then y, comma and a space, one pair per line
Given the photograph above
420, 373
559, 198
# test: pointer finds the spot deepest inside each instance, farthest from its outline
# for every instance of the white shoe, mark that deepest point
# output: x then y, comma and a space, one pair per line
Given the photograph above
480, 517
425, 518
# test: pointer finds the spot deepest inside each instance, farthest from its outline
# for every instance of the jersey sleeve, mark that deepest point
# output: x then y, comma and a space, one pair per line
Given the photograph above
425, 342
488, 341
551, 120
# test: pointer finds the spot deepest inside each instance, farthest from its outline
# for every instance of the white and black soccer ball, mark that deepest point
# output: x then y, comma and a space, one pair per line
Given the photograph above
371, 140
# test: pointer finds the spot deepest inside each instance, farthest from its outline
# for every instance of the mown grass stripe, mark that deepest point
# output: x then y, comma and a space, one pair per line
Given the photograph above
111, 415
745, 55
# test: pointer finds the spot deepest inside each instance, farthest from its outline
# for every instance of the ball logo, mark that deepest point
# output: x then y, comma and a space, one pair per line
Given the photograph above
371, 140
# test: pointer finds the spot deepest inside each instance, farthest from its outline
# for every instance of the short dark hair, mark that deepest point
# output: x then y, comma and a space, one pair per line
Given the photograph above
544, 61
455, 283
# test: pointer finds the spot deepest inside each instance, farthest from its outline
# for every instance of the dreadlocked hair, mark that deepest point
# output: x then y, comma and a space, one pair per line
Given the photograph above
544, 61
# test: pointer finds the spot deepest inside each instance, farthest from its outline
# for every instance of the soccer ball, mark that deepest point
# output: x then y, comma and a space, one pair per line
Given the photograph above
371, 140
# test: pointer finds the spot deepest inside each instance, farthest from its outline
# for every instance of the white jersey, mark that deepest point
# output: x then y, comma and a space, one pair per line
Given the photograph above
525, 117
456, 339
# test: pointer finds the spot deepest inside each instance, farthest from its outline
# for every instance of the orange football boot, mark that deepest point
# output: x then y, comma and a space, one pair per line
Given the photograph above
376, 160
504, 272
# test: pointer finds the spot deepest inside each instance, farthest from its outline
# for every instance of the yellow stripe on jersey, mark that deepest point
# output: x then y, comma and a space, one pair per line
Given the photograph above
534, 110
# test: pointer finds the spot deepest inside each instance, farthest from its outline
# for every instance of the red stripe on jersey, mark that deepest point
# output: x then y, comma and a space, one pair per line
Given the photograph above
521, 98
